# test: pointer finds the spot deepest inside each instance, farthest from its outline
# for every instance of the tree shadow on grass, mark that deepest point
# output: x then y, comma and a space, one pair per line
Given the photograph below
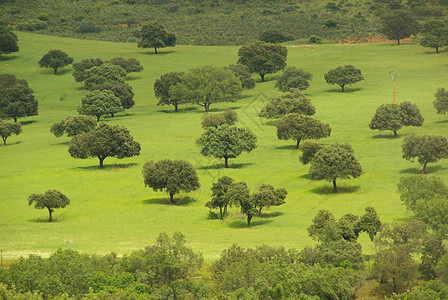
9, 143
61, 143
45, 219
49, 71
305, 176
347, 90
253, 223
441, 122
117, 116
390, 136
272, 214
222, 166
106, 166
180, 110
286, 147
328, 190
10, 57
27, 122
159, 52
429, 170
179, 201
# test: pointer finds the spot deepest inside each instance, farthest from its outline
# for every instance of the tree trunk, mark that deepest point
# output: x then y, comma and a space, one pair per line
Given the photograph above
220, 211
335, 189
98, 117
112, 115
398, 41
225, 211
175, 106
424, 167
395, 133
50, 211
55, 71
226, 162
172, 198
4, 140
207, 107
262, 77
155, 50
15, 119
298, 143
249, 218
437, 50
101, 161
259, 212
343, 87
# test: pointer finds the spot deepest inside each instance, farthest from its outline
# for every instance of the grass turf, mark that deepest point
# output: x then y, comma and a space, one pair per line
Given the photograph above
111, 210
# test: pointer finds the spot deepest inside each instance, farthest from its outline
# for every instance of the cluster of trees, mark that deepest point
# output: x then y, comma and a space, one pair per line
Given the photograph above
16, 98
228, 193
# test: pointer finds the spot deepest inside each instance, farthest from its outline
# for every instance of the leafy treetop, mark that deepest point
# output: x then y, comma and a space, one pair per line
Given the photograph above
398, 24
8, 40
73, 125
293, 78
426, 148
292, 102
50, 200
55, 59
7, 129
16, 98
154, 35
343, 75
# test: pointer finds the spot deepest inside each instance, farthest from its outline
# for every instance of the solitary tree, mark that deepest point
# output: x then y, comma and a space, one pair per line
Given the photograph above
333, 162
129, 65
102, 142
441, 101
293, 78
121, 90
263, 58
394, 116
266, 196
55, 59
426, 148
7, 129
73, 125
80, 68
16, 98
162, 89
219, 199
98, 103
435, 34
51, 200
292, 102
297, 127
207, 85
343, 75
398, 24
172, 176
8, 40
226, 142
155, 36
103, 73
228, 117
243, 73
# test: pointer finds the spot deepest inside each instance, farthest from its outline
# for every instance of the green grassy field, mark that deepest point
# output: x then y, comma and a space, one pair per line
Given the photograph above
111, 210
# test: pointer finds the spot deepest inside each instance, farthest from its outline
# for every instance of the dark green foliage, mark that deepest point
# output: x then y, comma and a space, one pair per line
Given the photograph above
263, 58
394, 116
121, 90
314, 39
73, 125
434, 213
50, 200
398, 24
226, 142
333, 162
297, 127
7, 129
8, 40
32, 25
55, 59
88, 26
342, 253
80, 68
420, 187
331, 23
171, 176
441, 101
228, 117
162, 89
293, 78
243, 73
292, 102
343, 75
206, 85
155, 36
102, 142
435, 34
129, 65
369, 223
102, 74
275, 36
433, 250
219, 200
426, 148
266, 196
308, 151
238, 195
98, 103
16, 98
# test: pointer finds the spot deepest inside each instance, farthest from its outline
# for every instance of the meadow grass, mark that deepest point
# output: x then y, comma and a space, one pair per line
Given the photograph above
112, 210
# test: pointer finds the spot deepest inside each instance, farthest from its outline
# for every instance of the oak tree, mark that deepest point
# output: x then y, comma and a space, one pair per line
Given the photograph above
171, 176
16, 98
219, 199
162, 88
398, 24
343, 75
98, 103
293, 78
102, 142
55, 59
103, 73
292, 102
73, 125
51, 200
80, 68
243, 73
425, 148
441, 101
7, 129
228, 117
8, 40
435, 34
154, 35
121, 90
266, 196
129, 65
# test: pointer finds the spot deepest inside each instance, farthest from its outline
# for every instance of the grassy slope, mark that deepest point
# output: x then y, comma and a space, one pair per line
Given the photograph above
111, 210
